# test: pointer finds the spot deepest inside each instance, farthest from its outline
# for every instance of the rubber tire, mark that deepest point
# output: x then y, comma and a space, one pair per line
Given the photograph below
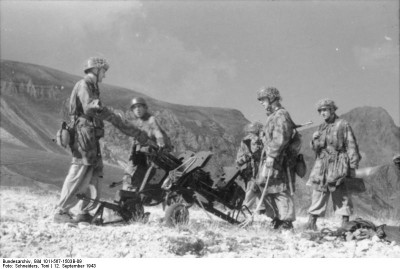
176, 214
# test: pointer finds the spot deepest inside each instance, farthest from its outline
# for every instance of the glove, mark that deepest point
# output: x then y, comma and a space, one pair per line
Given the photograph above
243, 160
316, 135
143, 138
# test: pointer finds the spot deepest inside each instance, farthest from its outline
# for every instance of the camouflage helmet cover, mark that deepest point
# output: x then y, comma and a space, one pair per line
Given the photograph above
96, 62
138, 100
326, 103
271, 93
253, 127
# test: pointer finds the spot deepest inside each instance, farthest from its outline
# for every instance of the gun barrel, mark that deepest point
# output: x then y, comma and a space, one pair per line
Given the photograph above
304, 124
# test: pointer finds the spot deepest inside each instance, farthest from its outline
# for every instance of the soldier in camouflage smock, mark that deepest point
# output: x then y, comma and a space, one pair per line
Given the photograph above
137, 168
337, 157
248, 159
278, 130
87, 115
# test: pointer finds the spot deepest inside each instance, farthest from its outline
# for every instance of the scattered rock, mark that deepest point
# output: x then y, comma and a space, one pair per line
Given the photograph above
70, 225
214, 249
83, 225
375, 239
364, 245
16, 254
182, 245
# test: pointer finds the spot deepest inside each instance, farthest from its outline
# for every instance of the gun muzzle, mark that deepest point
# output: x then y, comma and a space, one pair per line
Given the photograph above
304, 124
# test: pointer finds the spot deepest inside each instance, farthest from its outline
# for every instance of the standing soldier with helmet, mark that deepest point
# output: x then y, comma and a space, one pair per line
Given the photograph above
337, 157
273, 176
139, 163
87, 114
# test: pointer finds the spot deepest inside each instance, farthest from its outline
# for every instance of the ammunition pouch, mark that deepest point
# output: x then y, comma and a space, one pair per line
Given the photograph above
300, 167
86, 135
337, 167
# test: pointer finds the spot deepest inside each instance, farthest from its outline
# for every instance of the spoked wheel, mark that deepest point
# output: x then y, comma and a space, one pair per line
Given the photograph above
176, 214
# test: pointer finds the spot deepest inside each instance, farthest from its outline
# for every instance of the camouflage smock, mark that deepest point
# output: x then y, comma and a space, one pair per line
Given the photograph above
279, 128
336, 152
150, 126
248, 156
84, 100
87, 115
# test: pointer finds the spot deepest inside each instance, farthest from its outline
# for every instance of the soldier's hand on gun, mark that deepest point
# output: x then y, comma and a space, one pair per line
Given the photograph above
160, 144
316, 135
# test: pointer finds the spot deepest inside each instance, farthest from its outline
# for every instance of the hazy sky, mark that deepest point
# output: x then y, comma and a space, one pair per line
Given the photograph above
219, 53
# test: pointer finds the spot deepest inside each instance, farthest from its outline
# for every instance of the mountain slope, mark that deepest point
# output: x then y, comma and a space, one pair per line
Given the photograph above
33, 103
33, 100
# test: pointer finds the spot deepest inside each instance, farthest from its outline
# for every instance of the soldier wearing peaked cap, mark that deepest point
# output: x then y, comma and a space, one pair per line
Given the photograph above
337, 156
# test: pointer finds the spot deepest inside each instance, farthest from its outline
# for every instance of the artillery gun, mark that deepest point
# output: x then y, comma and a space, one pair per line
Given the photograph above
178, 183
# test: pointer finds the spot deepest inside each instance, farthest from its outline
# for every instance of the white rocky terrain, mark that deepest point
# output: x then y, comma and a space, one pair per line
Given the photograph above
27, 231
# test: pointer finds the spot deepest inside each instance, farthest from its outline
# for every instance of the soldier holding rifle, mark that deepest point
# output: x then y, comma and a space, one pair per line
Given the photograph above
273, 178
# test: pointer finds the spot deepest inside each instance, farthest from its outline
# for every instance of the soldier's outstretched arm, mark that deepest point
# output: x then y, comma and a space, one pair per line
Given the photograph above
126, 127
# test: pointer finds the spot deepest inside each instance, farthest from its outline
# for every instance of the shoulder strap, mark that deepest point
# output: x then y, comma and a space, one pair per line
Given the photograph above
339, 133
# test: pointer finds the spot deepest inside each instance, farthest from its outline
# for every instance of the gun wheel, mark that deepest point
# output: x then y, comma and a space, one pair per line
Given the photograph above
176, 214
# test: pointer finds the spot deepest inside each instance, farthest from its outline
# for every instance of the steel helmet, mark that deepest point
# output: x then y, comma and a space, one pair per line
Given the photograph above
269, 92
138, 100
328, 103
253, 127
96, 62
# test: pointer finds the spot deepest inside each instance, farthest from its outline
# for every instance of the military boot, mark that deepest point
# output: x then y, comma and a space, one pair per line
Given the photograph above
287, 225
276, 223
312, 223
63, 217
84, 217
345, 220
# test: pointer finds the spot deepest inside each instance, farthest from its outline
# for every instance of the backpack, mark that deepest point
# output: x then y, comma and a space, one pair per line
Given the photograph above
357, 229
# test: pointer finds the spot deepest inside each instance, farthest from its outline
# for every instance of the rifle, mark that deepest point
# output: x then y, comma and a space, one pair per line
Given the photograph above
302, 125
249, 221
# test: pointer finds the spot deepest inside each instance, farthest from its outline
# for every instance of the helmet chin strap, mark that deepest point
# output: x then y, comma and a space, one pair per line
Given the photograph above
97, 75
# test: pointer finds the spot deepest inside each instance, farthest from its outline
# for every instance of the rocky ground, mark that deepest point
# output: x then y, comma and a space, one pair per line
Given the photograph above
27, 231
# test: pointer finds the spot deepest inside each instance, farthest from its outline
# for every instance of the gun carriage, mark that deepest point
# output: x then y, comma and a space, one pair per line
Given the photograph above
178, 183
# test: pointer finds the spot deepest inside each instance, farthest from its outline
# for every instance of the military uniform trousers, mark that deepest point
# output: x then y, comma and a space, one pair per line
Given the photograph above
278, 205
342, 204
77, 181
